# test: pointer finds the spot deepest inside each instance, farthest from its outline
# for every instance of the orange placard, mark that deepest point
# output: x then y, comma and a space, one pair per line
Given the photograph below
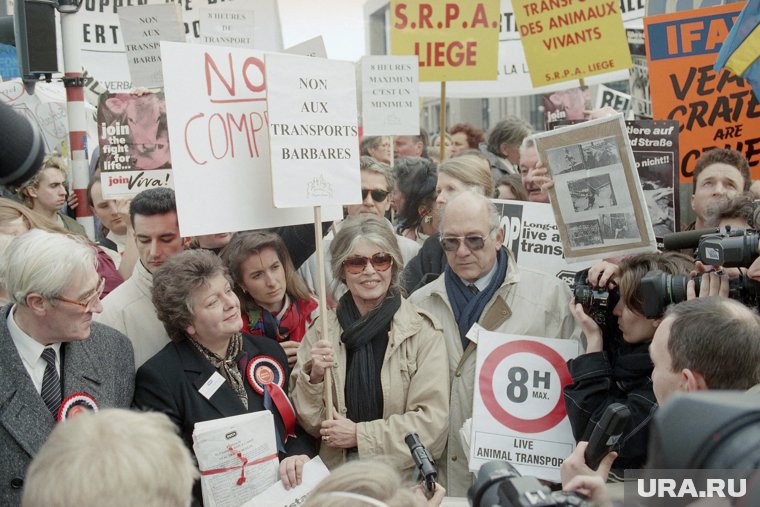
714, 110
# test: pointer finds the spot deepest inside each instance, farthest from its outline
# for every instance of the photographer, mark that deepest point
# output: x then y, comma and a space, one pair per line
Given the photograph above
615, 370
690, 353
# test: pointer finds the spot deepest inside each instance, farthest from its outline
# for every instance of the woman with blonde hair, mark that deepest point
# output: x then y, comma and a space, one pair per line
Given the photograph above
465, 172
275, 301
16, 219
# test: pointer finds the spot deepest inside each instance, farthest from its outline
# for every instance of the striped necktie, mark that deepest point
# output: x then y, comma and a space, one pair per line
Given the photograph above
51, 382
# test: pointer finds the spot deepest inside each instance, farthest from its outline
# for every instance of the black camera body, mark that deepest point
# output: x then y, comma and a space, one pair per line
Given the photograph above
660, 289
597, 302
500, 484
732, 249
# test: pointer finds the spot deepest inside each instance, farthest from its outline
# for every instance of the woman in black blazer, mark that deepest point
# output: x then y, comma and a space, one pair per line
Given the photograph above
193, 296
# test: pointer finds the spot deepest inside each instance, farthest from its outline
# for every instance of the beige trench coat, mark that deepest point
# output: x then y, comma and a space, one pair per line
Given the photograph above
527, 303
415, 384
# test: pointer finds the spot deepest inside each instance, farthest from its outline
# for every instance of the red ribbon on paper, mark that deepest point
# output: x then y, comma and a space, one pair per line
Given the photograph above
244, 463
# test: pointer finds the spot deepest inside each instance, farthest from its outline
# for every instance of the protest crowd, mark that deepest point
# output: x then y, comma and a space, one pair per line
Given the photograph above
124, 350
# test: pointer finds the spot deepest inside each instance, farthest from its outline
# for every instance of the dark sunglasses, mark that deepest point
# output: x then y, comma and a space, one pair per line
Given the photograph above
381, 261
474, 243
377, 194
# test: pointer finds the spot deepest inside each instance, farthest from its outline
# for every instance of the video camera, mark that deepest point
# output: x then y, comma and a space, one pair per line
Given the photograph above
597, 302
730, 249
659, 289
499, 484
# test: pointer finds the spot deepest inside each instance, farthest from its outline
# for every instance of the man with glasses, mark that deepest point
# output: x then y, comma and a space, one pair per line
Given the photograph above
51, 352
482, 284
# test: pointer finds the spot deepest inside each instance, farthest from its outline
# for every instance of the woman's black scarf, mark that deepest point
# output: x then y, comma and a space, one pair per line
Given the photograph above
366, 338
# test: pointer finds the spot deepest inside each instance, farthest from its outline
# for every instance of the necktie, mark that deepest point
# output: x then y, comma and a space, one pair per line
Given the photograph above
51, 383
473, 288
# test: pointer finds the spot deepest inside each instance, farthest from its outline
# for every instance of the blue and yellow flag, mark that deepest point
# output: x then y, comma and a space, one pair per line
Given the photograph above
741, 51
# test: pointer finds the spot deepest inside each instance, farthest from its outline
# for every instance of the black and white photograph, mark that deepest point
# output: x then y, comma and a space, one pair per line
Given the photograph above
601, 211
584, 234
591, 193
566, 159
619, 226
600, 153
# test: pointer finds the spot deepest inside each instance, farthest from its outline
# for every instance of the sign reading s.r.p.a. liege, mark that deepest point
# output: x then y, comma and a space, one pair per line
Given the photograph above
454, 41
313, 131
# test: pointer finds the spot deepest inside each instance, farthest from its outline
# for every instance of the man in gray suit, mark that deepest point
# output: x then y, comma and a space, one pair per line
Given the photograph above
52, 356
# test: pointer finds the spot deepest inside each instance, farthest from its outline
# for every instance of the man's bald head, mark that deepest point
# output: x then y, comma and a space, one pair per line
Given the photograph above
470, 235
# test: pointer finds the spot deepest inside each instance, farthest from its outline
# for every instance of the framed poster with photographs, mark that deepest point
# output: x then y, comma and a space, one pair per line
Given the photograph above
597, 197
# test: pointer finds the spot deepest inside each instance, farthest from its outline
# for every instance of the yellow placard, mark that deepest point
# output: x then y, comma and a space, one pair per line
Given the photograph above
455, 40
571, 39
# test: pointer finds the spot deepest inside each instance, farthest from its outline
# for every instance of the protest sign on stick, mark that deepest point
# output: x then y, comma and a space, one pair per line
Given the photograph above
313, 47
453, 41
216, 102
313, 131
518, 411
390, 97
568, 40
314, 139
714, 110
143, 27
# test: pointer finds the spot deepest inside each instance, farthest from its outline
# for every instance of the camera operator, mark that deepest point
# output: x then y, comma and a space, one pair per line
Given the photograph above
703, 343
616, 367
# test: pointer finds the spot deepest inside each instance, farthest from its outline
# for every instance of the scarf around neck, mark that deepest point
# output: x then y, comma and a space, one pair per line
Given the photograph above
227, 366
365, 336
468, 307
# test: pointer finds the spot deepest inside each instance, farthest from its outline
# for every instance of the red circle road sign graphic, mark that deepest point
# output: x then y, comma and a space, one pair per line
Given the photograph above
494, 407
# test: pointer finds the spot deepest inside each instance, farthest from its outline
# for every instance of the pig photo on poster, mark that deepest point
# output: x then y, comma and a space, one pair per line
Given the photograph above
133, 133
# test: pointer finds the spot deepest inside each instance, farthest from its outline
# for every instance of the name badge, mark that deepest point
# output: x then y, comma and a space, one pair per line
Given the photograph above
214, 382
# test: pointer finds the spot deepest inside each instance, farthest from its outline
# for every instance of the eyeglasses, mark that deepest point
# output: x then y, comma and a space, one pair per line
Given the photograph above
473, 242
377, 194
89, 302
381, 261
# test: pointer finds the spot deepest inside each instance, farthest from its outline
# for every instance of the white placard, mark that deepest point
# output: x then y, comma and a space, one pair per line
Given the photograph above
216, 106
143, 27
530, 232
518, 411
313, 47
390, 95
47, 112
102, 45
608, 97
313, 131
228, 27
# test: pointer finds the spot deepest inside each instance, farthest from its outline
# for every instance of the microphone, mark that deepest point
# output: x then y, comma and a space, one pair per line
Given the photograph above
22, 148
423, 461
688, 239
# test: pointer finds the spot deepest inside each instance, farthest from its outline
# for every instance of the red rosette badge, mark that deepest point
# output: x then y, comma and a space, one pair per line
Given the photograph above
267, 378
76, 404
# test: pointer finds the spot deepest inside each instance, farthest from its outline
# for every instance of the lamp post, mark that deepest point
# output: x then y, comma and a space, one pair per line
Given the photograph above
73, 81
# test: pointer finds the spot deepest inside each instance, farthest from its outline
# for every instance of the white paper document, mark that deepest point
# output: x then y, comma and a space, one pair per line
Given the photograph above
237, 457
277, 496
